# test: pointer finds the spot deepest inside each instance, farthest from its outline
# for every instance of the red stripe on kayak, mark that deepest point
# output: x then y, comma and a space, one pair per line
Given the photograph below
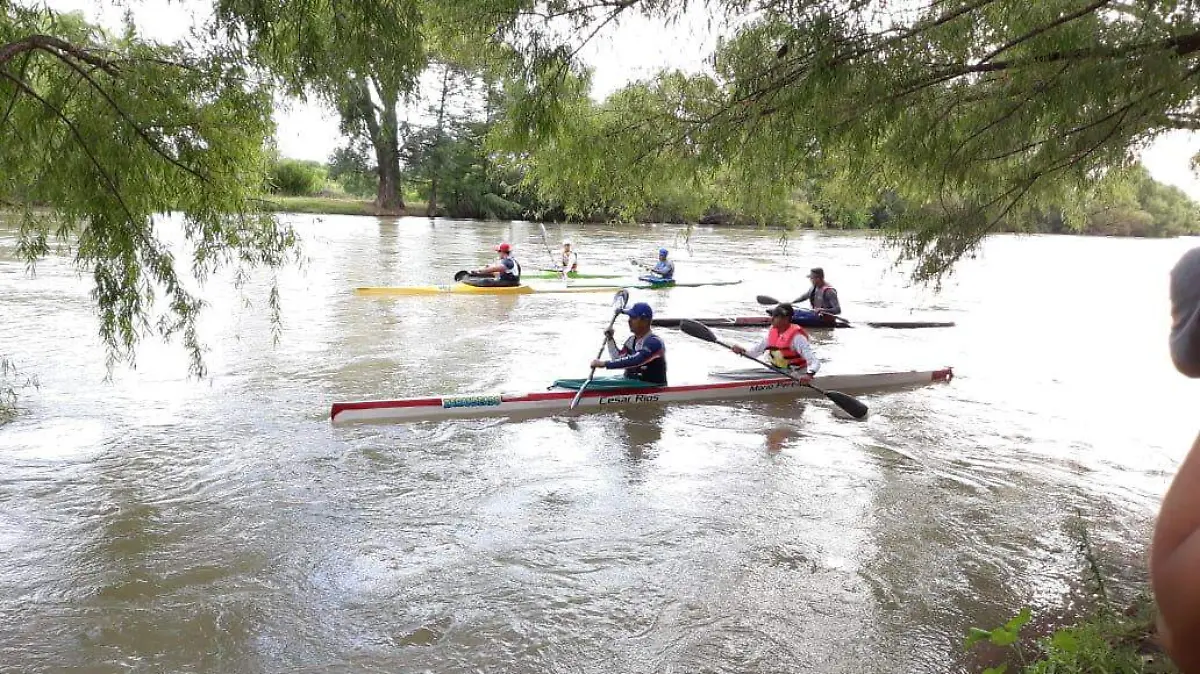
945, 374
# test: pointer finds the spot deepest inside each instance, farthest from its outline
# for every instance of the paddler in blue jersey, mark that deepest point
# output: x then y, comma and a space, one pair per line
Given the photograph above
787, 343
643, 356
663, 271
505, 272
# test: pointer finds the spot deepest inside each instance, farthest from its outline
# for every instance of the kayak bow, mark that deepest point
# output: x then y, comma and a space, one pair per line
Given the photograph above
612, 393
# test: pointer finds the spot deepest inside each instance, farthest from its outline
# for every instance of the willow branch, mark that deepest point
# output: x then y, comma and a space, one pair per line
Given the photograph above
110, 182
1084, 11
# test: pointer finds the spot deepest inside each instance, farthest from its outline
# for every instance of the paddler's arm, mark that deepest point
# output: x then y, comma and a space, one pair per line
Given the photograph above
492, 269
613, 350
649, 349
831, 298
1175, 550
754, 351
801, 346
1174, 559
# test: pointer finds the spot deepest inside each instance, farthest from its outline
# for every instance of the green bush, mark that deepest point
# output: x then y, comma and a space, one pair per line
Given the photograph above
297, 178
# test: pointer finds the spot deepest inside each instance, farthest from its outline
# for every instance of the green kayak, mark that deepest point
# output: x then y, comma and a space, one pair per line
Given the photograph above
553, 275
603, 383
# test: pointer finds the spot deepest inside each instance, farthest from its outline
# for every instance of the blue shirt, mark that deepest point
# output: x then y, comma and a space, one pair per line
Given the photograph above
665, 268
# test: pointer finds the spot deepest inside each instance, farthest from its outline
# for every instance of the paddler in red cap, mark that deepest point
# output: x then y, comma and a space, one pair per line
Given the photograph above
505, 272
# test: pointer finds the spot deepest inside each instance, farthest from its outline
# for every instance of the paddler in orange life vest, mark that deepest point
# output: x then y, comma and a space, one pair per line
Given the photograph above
787, 344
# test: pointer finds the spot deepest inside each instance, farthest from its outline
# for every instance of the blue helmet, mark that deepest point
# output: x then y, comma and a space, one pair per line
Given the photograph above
662, 252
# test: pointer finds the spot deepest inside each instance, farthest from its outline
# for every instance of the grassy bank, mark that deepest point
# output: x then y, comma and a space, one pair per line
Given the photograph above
338, 206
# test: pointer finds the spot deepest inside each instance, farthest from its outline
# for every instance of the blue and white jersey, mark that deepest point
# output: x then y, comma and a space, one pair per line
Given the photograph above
644, 358
512, 268
665, 269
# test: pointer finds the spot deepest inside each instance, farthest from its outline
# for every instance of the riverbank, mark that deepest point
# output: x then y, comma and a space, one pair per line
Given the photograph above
352, 206
1121, 642
340, 206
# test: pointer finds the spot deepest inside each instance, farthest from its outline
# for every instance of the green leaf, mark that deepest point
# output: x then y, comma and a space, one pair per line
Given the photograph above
1000, 669
1002, 636
1064, 641
974, 636
1019, 621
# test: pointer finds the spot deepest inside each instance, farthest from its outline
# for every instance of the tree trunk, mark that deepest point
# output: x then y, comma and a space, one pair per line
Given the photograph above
389, 198
383, 127
437, 147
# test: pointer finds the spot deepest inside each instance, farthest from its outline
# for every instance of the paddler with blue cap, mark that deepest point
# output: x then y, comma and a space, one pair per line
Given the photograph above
663, 271
643, 356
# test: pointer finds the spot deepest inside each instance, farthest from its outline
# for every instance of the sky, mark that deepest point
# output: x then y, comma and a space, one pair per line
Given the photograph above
633, 49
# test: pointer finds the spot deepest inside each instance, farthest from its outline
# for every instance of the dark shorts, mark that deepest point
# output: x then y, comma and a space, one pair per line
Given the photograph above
492, 282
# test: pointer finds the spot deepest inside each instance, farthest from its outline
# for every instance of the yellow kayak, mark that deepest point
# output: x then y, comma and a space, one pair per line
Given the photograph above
464, 289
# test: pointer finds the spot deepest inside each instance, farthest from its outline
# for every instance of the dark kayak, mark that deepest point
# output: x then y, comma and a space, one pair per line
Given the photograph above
808, 322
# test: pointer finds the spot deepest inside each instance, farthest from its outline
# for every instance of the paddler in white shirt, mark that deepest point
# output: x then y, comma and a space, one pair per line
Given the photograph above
787, 344
569, 264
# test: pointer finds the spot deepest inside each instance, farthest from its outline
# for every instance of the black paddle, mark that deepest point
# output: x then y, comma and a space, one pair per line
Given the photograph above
618, 305
851, 405
769, 301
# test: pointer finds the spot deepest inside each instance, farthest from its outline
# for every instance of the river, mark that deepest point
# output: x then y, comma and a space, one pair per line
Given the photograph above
156, 523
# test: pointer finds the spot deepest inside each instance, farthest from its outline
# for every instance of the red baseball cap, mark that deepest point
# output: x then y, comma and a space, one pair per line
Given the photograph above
503, 248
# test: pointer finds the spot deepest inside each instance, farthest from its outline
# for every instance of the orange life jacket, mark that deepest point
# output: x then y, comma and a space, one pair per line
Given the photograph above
781, 343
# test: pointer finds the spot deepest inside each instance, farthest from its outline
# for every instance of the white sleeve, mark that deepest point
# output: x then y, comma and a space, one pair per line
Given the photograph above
800, 345
758, 349
613, 352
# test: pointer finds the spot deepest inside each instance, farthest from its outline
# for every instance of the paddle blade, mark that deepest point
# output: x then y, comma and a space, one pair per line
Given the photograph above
694, 329
766, 300
461, 275
620, 300
851, 405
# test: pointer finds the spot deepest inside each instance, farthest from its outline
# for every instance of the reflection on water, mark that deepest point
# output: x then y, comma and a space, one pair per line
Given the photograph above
153, 523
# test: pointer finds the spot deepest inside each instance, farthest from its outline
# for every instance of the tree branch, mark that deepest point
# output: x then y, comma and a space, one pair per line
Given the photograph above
110, 183
12, 102
49, 43
1084, 11
64, 51
154, 145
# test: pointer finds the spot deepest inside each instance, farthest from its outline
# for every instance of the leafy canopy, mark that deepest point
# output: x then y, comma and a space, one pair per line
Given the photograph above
973, 111
111, 131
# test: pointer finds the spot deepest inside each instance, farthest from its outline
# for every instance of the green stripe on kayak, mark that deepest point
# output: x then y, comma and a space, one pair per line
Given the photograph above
603, 383
574, 274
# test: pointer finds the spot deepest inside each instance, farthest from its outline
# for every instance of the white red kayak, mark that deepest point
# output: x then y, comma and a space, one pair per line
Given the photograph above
601, 396
826, 322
